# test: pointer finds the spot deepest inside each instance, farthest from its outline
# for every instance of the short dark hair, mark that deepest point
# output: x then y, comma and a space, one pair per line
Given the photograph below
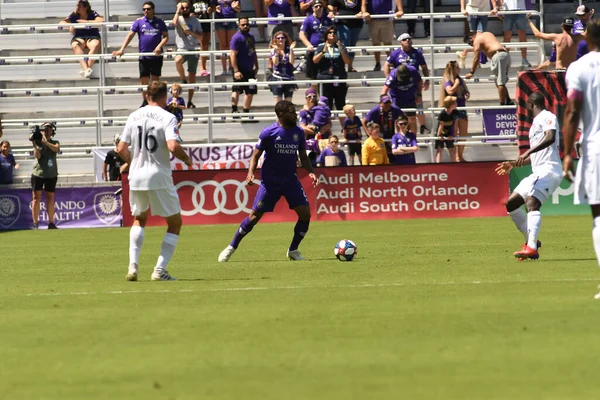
537, 99
241, 18
157, 90
4, 141
468, 36
149, 3
283, 106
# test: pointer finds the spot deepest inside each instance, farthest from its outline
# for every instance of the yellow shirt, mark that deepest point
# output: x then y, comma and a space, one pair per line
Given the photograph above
374, 152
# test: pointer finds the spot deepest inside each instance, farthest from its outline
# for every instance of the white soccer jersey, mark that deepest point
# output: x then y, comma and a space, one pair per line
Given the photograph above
548, 159
584, 76
147, 131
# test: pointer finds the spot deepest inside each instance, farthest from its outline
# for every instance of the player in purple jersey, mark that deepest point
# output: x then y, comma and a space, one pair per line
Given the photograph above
282, 142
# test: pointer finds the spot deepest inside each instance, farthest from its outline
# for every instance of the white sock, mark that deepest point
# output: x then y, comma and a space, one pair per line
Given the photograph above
166, 251
534, 222
136, 239
596, 237
520, 219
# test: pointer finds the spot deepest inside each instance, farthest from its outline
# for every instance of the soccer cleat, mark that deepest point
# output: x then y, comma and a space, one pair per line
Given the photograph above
524, 246
527, 253
295, 255
132, 273
162, 276
226, 254
462, 59
597, 296
51, 225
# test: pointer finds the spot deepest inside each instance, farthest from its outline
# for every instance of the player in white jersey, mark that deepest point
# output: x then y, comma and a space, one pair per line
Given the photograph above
583, 104
546, 175
152, 133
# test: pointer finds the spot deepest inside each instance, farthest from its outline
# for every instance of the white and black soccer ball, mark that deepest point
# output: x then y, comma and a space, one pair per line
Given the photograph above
345, 250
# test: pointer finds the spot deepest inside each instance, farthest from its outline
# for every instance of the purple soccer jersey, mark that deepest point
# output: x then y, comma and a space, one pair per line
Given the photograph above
314, 28
403, 94
305, 117
278, 172
385, 119
404, 140
328, 152
414, 58
279, 7
150, 33
353, 128
245, 45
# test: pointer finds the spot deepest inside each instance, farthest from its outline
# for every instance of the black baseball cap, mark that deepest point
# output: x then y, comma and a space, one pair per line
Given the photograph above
568, 21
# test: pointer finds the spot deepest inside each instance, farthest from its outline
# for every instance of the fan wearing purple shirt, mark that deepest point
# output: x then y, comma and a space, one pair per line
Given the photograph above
226, 30
404, 143
280, 8
404, 85
333, 150
351, 128
153, 35
7, 163
244, 63
84, 37
312, 34
282, 143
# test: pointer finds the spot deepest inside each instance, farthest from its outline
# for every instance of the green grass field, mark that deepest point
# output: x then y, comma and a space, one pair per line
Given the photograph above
430, 309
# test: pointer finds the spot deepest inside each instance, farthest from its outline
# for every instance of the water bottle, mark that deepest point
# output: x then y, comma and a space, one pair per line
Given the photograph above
364, 81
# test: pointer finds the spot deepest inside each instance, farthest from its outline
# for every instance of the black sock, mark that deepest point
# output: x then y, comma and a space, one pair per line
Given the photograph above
246, 110
234, 108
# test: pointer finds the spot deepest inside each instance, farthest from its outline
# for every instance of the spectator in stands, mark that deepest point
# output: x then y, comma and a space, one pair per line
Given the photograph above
454, 85
511, 21
374, 148
550, 62
566, 42
446, 129
412, 8
1, 133
352, 133
384, 115
407, 54
84, 37
348, 28
476, 23
381, 30
45, 173
260, 11
282, 58
305, 7
331, 58
203, 10
276, 9
153, 35
332, 155
322, 121
245, 65
176, 104
305, 116
404, 85
486, 43
113, 163
188, 34
7, 164
584, 15
404, 143
226, 30
312, 34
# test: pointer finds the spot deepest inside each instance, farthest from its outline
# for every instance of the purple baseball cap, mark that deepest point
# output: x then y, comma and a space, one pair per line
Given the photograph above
385, 99
309, 92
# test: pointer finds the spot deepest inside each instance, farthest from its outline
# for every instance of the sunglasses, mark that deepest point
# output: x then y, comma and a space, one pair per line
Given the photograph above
311, 97
317, 6
146, 9
334, 142
244, 24
332, 33
405, 40
280, 38
402, 123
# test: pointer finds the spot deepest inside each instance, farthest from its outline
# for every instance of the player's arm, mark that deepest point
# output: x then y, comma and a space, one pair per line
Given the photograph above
123, 150
253, 165
571, 120
175, 148
548, 140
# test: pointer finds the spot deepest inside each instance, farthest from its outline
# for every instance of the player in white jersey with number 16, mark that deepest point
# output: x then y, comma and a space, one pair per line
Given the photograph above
151, 133
546, 175
583, 104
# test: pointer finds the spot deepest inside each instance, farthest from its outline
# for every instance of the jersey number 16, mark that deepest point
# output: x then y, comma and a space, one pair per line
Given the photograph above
147, 140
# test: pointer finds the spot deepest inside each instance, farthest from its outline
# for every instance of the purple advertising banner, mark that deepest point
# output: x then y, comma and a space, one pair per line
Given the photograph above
83, 207
499, 122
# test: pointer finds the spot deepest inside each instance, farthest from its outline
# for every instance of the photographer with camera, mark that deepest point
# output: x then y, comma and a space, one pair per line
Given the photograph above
45, 170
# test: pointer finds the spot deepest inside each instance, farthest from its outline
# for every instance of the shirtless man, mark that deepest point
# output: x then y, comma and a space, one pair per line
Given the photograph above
487, 43
566, 42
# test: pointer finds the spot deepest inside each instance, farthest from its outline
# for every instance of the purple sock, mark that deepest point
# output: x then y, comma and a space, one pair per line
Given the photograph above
245, 228
299, 232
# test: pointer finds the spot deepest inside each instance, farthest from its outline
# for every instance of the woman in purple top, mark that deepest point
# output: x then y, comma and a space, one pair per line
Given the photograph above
333, 150
454, 85
84, 37
7, 163
226, 30
282, 57
404, 143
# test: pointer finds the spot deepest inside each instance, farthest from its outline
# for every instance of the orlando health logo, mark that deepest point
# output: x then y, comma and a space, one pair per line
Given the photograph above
10, 208
107, 207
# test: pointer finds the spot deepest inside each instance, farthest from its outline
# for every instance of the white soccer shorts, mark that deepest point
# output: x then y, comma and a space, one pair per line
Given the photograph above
540, 186
162, 202
587, 180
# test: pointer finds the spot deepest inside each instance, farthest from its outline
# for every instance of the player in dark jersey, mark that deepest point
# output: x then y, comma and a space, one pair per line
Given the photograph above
282, 142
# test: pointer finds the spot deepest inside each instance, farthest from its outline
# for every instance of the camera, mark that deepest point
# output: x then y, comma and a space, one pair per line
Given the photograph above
36, 135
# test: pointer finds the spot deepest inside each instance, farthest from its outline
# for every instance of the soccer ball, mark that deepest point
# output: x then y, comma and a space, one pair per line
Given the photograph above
345, 250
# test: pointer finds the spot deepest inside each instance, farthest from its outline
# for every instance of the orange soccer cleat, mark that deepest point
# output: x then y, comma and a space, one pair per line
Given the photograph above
527, 253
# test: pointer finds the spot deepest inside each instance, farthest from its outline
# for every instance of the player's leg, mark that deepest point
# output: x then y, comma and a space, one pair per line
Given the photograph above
596, 236
297, 200
139, 203
517, 215
165, 203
